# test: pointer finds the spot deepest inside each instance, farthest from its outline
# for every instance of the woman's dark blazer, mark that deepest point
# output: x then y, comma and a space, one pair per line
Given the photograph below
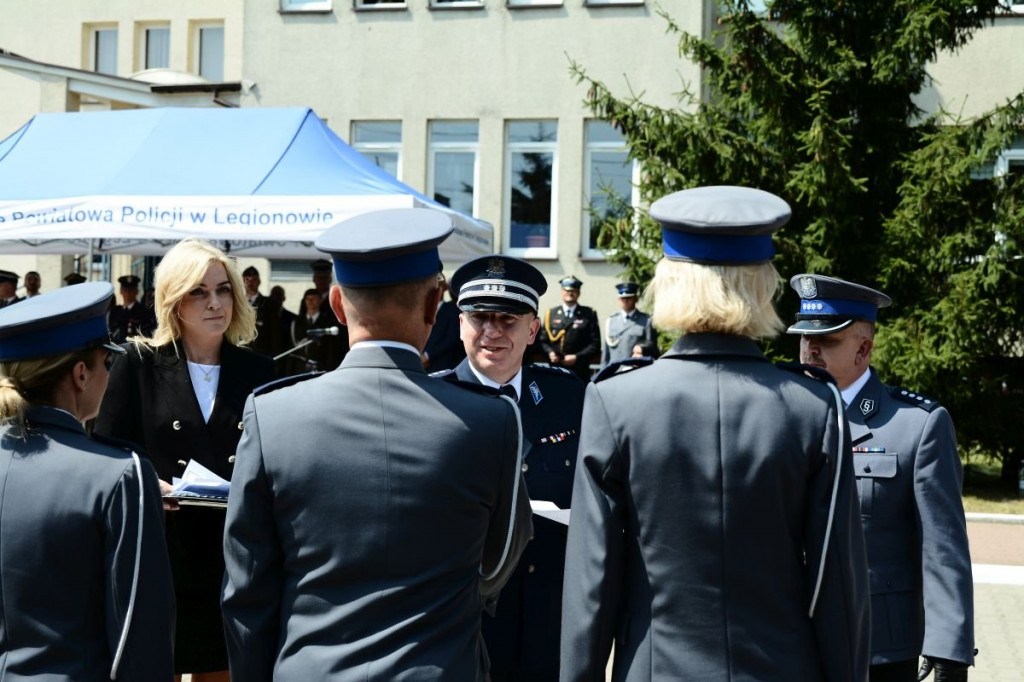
150, 402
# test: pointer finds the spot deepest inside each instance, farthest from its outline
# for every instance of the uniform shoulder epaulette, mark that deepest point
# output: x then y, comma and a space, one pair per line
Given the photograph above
622, 367
807, 370
553, 369
924, 402
284, 383
118, 443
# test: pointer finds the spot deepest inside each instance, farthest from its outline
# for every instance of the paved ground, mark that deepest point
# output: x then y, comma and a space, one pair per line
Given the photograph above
997, 551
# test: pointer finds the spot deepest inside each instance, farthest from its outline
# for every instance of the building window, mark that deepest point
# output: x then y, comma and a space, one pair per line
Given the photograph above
530, 164
612, 3
155, 47
209, 51
453, 167
609, 182
381, 142
290, 270
380, 4
534, 3
104, 50
306, 5
456, 4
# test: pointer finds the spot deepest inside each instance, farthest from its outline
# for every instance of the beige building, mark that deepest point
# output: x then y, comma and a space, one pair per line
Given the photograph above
469, 101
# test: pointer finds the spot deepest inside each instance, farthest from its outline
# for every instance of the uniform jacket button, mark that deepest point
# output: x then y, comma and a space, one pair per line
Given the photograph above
231, 459
526, 467
239, 426
531, 568
568, 463
867, 469
176, 425
182, 463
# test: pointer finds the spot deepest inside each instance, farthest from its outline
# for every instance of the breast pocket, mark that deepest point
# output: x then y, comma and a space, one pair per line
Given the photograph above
876, 482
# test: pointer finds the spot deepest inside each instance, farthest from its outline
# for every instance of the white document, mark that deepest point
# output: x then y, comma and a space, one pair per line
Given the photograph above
548, 510
199, 480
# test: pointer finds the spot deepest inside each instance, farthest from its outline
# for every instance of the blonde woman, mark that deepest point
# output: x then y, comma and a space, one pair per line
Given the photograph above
179, 396
85, 584
712, 486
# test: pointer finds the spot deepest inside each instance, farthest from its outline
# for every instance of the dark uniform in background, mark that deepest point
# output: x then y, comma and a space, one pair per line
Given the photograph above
72, 521
444, 348
698, 540
132, 318
268, 339
572, 333
909, 479
73, 278
8, 288
369, 521
523, 634
625, 330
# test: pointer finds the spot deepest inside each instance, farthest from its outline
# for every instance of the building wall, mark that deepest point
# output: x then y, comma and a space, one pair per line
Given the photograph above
491, 64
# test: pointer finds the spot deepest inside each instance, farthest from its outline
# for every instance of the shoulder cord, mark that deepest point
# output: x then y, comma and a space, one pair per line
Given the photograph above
515, 492
613, 342
558, 338
840, 411
135, 574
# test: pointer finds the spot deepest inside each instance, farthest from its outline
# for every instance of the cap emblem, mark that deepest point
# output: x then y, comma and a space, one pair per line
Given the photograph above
808, 289
496, 268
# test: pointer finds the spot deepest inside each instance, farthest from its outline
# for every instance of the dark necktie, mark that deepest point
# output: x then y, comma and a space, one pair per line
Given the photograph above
510, 391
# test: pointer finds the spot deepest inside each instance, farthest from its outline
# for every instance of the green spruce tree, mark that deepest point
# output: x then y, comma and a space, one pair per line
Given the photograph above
814, 100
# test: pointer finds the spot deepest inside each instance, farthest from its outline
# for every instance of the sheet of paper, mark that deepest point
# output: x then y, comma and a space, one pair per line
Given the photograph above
199, 480
549, 510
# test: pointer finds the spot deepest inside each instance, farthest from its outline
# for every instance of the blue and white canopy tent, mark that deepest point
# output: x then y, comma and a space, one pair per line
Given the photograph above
258, 182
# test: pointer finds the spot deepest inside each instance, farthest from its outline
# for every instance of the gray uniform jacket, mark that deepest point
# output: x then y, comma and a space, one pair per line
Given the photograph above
621, 334
362, 505
909, 479
69, 524
698, 515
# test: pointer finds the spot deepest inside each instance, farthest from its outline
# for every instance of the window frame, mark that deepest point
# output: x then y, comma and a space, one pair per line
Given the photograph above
536, 4
539, 252
380, 6
305, 7
1006, 158
94, 31
586, 252
613, 3
363, 147
457, 147
445, 5
142, 30
197, 47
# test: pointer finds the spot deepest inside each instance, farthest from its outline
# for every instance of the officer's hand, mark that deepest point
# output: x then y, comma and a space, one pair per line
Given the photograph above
569, 360
553, 357
165, 490
945, 670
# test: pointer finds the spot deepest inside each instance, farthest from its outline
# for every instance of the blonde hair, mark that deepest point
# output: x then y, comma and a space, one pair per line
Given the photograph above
24, 383
725, 299
179, 272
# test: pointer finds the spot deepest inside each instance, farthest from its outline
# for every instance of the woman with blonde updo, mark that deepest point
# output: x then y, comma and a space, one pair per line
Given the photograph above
84, 578
179, 397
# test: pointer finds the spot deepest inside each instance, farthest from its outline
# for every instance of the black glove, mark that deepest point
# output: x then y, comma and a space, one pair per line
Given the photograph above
945, 670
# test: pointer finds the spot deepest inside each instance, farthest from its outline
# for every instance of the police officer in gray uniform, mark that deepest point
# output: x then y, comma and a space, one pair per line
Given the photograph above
370, 520
909, 479
85, 584
715, 533
498, 298
628, 330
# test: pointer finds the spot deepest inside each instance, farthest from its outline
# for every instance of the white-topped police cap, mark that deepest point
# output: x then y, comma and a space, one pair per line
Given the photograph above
829, 305
386, 247
720, 225
57, 322
498, 284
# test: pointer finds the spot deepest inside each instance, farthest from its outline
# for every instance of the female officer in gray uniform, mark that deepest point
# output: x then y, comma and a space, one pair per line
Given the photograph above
85, 586
715, 531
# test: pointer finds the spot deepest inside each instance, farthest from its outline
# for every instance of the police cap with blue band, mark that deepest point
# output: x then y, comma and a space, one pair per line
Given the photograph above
720, 225
829, 305
498, 284
57, 322
570, 283
627, 289
386, 247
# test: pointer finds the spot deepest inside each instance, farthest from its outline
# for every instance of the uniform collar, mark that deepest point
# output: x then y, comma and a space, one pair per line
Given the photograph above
38, 415
715, 344
386, 344
851, 391
516, 381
